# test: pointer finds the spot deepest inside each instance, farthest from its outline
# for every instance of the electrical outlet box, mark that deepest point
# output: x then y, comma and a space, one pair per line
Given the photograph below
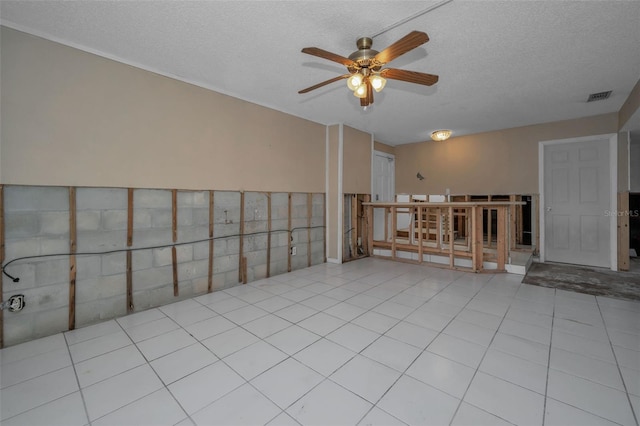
293, 251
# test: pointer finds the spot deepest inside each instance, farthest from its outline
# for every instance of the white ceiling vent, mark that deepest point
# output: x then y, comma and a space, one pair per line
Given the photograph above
598, 96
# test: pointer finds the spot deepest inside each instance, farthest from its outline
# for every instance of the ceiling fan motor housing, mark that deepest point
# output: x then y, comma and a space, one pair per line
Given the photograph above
364, 55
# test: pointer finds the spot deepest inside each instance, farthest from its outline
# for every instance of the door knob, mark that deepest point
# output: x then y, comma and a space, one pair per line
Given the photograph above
548, 209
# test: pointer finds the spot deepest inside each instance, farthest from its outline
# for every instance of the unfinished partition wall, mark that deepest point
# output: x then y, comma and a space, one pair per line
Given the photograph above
83, 255
431, 235
356, 227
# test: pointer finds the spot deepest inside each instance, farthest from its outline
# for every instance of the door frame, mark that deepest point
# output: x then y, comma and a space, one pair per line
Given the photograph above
391, 157
613, 189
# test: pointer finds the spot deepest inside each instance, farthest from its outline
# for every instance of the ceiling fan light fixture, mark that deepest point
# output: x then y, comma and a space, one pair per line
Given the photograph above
361, 91
354, 81
441, 135
377, 82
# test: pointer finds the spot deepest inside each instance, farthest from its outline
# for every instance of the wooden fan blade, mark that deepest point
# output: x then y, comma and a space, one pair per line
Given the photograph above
367, 100
409, 76
327, 55
402, 46
324, 83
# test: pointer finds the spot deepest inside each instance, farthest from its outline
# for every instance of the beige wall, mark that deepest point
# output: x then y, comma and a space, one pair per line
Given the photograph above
501, 162
630, 106
356, 170
74, 118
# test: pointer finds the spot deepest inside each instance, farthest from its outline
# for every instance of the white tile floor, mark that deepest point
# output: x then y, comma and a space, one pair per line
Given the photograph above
370, 342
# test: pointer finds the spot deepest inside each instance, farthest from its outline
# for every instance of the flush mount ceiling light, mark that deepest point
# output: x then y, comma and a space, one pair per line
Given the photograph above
441, 135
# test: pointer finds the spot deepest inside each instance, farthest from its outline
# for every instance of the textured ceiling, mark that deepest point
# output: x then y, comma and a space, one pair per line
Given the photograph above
501, 64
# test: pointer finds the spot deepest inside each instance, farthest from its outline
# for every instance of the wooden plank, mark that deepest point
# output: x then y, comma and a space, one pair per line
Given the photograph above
210, 267
244, 270
394, 225
129, 272
174, 264
129, 267
452, 259
370, 230
290, 234
354, 226
72, 258
241, 241
174, 237
536, 203
417, 211
174, 215
365, 225
476, 231
623, 231
519, 222
129, 217
324, 224
1, 263
309, 212
386, 224
513, 217
501, 238
268, 234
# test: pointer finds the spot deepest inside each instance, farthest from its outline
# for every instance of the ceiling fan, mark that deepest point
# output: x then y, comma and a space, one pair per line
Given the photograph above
365, 66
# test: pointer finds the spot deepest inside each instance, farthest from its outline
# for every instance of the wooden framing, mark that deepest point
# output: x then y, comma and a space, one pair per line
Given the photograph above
309, 214
241, 264
72, 258
268, 234
129, 267
623, 231
174, 237
444, 246
290, 236
1, 263
211, 221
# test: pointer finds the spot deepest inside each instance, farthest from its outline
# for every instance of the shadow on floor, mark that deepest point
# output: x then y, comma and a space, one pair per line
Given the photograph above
584, 279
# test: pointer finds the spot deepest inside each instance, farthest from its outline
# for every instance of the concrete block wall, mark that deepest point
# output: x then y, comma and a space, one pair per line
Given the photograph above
36, 223
101, 225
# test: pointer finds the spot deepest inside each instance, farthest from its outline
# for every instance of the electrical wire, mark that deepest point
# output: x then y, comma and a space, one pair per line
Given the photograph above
410, 18
96, 253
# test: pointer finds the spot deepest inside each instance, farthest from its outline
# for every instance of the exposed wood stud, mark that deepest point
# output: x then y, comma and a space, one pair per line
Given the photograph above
309, 214
174, 236
478, 238
244, 270
623, 231
241, 241
513, 214
366, 224
420, 214
394, 226
210, 268
354, 226
520, 222
536, 203
72, 258
129, 267
290, 234
451, 239
268, 234
324, 224
369, 217
501, 239
174, 263
1, 263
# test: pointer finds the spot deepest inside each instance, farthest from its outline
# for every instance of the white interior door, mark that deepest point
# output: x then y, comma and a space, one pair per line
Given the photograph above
577, 195
383, 181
